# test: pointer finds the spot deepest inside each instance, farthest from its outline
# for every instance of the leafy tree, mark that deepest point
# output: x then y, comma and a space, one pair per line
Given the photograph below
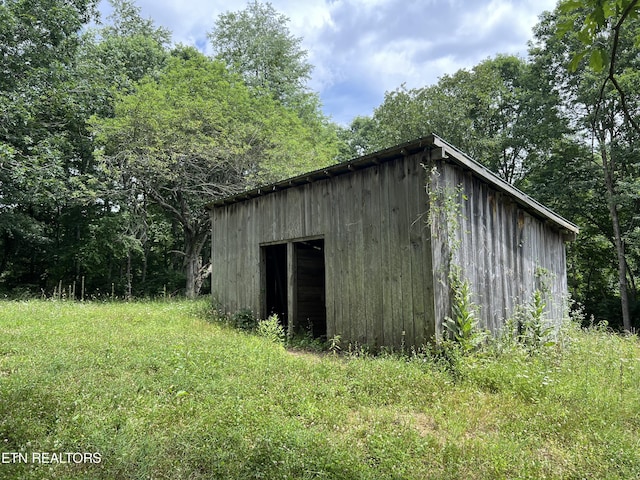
115, 57
256, 44
497, 112
123, 51
600, 34
44, 146
602, 125
195, 133
358, 139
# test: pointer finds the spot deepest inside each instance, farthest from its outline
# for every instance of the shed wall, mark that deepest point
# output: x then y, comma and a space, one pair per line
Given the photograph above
386, 266
377, 250
502, 251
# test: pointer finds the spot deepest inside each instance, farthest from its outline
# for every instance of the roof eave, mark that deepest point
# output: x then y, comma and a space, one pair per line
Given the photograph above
527, 202
429, 143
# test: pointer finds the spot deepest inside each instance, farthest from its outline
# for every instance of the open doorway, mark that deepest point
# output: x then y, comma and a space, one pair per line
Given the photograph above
275, 277
295, 286
311, 313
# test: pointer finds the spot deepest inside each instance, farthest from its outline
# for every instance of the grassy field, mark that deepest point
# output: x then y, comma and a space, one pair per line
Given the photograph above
155, 391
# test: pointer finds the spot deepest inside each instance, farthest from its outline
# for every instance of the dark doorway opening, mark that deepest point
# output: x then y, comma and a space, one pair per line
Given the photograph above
275, 262
294, 286
311, 312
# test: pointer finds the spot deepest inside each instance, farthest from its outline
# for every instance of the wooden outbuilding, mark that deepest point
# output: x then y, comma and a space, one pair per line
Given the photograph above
367, 249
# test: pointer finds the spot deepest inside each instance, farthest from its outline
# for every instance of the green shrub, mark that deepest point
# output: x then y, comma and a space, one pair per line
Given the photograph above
535, 331
463, 328
271, 329
244, 320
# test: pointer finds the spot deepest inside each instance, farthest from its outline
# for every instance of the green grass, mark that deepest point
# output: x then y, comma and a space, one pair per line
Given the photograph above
160, 393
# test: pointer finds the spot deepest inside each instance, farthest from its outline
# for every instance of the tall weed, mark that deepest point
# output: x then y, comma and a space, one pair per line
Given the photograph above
271, 329
463, 327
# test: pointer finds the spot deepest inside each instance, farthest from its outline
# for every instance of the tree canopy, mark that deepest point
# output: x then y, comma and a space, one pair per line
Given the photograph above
196, 130
44, 148
603, 115
496, 112
256, 43
125, 220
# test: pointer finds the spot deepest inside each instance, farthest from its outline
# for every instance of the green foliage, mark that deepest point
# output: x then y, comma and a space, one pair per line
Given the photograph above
598, 16
45, 155
334, 344
271, 329
244, 320
462, 327
59, 220
162, 393
64, 215
358, 139
256, 44
535, 330
590, 185
194, 133
498, 112
121, 52
445, 208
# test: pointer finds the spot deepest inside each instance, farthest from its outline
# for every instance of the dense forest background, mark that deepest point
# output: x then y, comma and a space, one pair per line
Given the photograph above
113, 139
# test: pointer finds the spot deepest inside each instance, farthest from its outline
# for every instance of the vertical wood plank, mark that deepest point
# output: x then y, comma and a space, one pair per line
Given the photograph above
326, 227
252, 245
406, 216
439, 266
339, 262
309, 200
429, 332
484, 283
416, 209
397, 228
350, 280
373, 256
357, 247
215, 242
386, 216
292, 290
231, 259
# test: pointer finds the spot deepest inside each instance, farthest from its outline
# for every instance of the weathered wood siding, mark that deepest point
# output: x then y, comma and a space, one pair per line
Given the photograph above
503, 252
386, 266
377, 250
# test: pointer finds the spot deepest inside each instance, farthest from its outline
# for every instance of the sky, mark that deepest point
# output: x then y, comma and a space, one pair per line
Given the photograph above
361, 49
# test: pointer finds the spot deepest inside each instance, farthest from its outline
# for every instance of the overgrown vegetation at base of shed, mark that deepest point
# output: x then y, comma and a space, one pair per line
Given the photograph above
162, 393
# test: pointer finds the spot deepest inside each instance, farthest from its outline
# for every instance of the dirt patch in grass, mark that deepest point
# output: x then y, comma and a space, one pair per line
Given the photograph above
310, 355
425, 425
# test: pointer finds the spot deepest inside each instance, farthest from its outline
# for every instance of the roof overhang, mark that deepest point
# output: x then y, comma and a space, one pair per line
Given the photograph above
528, 203
438, 149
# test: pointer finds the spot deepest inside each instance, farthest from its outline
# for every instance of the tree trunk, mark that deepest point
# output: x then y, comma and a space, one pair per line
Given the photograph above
193, 244
129, 277
192, 266
607, 165
145, 264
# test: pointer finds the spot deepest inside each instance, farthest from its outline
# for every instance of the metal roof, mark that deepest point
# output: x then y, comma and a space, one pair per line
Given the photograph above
430, 143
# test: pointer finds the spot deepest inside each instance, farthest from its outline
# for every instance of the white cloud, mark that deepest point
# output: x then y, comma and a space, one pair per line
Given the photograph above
361, 48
